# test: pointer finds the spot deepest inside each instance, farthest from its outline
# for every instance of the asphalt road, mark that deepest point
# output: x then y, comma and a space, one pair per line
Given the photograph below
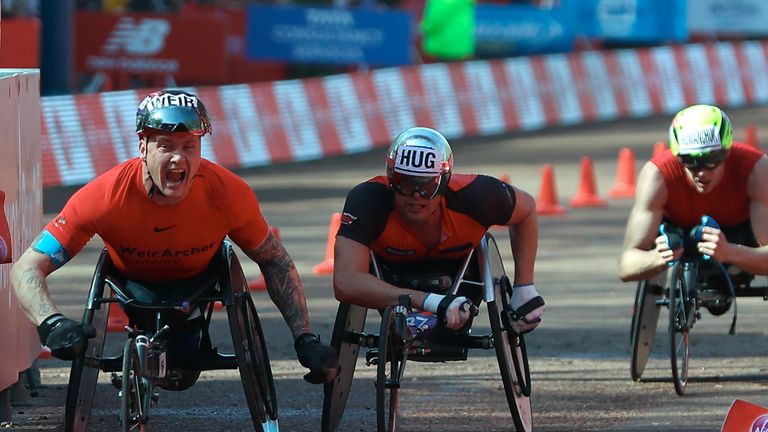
579, 356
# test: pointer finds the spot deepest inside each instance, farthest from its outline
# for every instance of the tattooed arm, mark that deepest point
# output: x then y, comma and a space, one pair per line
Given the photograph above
28, 281
283, 283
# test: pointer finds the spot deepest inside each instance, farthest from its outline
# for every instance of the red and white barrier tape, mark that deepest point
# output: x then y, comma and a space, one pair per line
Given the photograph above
267, 123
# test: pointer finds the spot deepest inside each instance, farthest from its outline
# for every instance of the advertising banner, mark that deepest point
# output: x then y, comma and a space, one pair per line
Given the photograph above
191, 47
329, 36
631, 20
743, 17
522, 30
20, 43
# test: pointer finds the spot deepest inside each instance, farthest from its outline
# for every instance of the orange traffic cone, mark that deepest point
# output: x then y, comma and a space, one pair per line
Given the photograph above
624, 187
326, 267
751, 137
259, 284
587, 193
546, 203
117, 319
659, 148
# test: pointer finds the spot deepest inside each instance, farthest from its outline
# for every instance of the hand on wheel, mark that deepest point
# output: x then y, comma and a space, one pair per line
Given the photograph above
321, 360
452, 311
527, 306
66, 338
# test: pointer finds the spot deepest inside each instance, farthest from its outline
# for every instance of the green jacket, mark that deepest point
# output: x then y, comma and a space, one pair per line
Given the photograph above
448, 29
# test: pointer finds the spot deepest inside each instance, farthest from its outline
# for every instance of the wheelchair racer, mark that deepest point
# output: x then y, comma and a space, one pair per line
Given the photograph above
704, 172
421, 215
162, 217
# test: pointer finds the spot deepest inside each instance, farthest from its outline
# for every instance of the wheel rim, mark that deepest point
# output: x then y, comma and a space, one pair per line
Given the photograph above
390, 363
84, 374
133, 391
680, 319
513, 366
245, 349
263, 367
349, 318
645, 317
250, 350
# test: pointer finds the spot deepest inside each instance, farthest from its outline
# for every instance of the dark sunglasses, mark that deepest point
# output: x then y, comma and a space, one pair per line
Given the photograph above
709, 162
407, 185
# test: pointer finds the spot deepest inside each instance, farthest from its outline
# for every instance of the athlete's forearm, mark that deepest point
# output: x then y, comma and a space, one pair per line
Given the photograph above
31, 291
283, 283
366, 290
637, 265
524, 242
749, 259
286, 291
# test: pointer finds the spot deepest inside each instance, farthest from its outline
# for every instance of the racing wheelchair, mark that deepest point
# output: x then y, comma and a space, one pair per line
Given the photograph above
480, 277
693, 282
147, 363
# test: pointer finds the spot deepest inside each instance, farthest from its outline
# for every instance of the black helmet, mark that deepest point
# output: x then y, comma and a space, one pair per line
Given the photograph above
173, 111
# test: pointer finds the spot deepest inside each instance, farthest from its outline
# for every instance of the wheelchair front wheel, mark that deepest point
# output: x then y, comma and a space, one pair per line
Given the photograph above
513, 359
645, 318
389, 372
350, 321
134, 394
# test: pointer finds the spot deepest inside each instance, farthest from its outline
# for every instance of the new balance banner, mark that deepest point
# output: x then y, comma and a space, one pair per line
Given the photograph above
331, 36
190, 47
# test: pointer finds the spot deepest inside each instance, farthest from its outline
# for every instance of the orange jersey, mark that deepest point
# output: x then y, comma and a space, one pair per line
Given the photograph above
154, 243
727, 203
470, 205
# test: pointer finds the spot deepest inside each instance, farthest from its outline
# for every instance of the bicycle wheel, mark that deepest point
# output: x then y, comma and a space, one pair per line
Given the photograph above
350, 320
681, 316
134, 392
645, 318
251, 352
84, 373
389, 371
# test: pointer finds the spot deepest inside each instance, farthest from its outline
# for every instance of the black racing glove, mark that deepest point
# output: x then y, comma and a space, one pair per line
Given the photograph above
66, 338
321, 360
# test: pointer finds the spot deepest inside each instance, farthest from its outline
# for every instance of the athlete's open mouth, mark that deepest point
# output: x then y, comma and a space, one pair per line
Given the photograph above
175, 176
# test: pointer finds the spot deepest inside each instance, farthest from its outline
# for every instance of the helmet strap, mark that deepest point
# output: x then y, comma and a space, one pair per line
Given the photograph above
154, 188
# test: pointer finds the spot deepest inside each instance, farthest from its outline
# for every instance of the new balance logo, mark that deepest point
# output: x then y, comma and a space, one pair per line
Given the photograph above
161, 229
145, 37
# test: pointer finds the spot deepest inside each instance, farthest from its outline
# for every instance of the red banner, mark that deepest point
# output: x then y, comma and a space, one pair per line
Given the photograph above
20, 43
190, 47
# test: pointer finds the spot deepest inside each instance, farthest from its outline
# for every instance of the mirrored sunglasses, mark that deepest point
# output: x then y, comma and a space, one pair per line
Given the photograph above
407, 185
